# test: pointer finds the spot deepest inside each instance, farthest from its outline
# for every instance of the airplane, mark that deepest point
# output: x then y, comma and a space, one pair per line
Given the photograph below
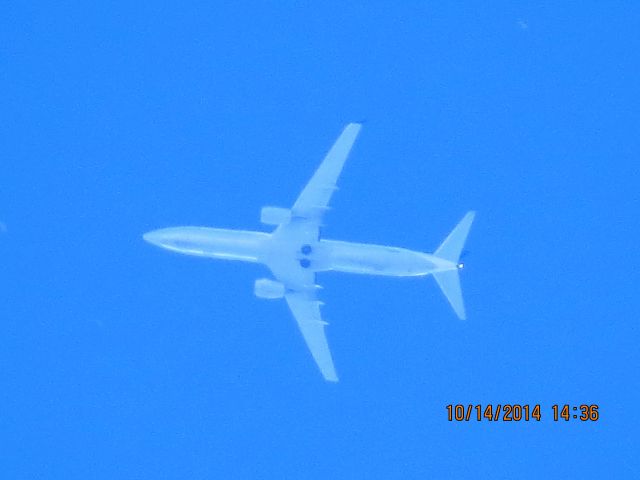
295, 252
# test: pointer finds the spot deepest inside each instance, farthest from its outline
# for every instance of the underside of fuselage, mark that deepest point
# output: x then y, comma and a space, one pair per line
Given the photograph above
323, 255
369, 259
218, 243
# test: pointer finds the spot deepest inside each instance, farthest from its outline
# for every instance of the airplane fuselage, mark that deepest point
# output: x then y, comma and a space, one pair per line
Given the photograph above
319, 256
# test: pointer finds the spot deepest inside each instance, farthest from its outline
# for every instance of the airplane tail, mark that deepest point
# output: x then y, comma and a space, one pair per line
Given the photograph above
450, 249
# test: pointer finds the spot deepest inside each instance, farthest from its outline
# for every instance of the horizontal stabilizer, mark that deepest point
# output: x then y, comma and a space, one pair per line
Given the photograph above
449, 283
450, 249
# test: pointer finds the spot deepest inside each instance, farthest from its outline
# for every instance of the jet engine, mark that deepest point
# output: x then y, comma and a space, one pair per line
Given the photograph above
274, 215
270, 289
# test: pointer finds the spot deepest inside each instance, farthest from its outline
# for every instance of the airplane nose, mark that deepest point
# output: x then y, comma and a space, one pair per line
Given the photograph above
154, 237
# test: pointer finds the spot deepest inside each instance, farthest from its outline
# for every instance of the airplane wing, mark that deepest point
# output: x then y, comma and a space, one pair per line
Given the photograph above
305, 307
313, 201
296, 272
306, 310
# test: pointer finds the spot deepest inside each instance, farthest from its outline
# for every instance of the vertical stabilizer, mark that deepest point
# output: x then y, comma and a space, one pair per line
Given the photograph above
450, 249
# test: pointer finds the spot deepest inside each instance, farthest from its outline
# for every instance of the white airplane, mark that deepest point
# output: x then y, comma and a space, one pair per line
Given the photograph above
295, 252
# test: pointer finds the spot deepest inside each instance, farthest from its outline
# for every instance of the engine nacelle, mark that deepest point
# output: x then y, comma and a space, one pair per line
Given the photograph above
270, 289
274, 215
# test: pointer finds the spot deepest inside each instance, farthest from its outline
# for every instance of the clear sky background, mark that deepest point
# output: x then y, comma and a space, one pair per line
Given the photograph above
121, 361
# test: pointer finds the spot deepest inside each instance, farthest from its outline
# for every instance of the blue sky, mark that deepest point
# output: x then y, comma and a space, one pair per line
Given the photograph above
118, 360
